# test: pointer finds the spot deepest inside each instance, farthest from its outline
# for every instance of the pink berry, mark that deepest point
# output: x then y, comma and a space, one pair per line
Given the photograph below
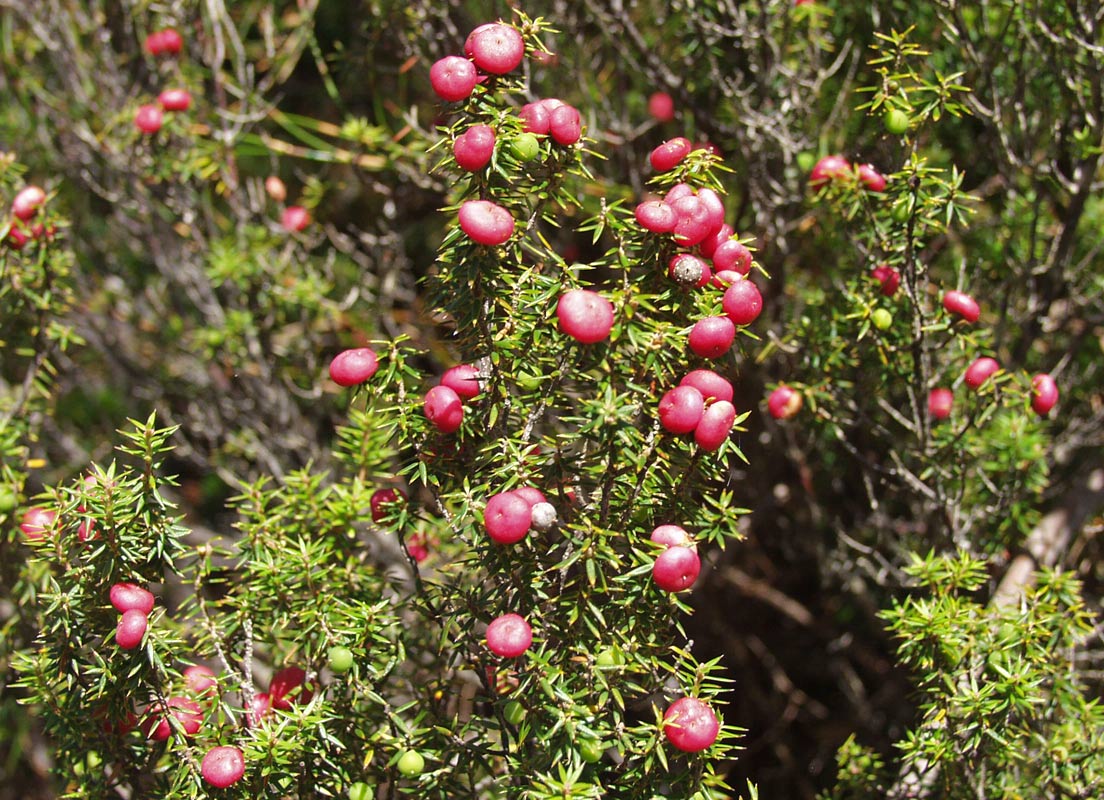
175, 100
294, 219
871, 178
709, 245
354, 366
888, 277
381, 499
462, 379
27, 202
715, 425
509, 636
1044, 393
171, 41
565, 125
677, 192
742, 302
676, 569
940, 403
584, 315
661, 106
443, 408
536, 117
686, 269
474, 147
486, 223
200, 680
289, 685
669, 154
712, 337
531, 495
148, 119
656, 216
680, 409
784, 402
260, 708
730, 255
37, 522
724, 278
961, 304
715, 206
711, 385
418, 552
507, 517
980, 371
222, 766
495, 48
186, 711
690, 725
829, 168
453, 78
671, 536
695, 220
275, 188
130, 629
128, 596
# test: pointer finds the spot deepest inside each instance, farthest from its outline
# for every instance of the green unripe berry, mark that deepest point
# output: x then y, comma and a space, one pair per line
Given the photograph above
896, 121
514, 712
341, 659
8, 499
591, 750
525, 147
806, 161
360, 791
881, 318
411, 763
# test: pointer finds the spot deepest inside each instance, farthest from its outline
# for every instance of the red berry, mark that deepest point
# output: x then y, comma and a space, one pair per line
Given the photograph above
676, 568
485, 222
289, 685
131, 628
671, 536
724, 278
128, 596
584, 315
888, 277
715, 206
784, 402
1044, 393
474, 147
16, 238
829, 168
443, 408
677, 192
462, 379
354, 366
730, 255
380, 499
453, 78
507, 517
171, 41
711, 385
200, 680
261, 708
418, 552
37, 522
695, 220
495, 48
536, 117
680, 409
509, 636
715, 425
669, 154
742, 302
148, 118
940, 403
294, 219
690, 725
961, 304
980, 371
187, 712
222, 766
710, 244
873, 179
531, 495
661, 107
175, 100
27, 202
565, 125
712, 337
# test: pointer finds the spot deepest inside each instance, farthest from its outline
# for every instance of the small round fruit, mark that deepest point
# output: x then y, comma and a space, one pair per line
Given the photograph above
962, 305
680, 409
711, 385
536, 118
784, 402
609, 658
895, 121
128, 596
410, 764
223, 766
695, 220
340, 659
353, 367
940, 402
661, 107
509, 636
474, 147
687, 270
131, 628
275, 188
175, 100
507, 517
380, 501
742, 302
289, 685
730, 255
881, 319
531, 495
462, 379
980, 371
585, 316
543, 517
591, 750
525, 147
871, 178
187, 712
148, 119
690, 725
1044, 394
27, 202
829, 168
37, 522
669, 154
443, 409
656, 216
712, 337
715, 425
171, 41
514, 712
495, 48
261, 708
676, 568
360, 791
200, 680
671, 536
565, 125
486, 223
453, 78
294, 219
888, 277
